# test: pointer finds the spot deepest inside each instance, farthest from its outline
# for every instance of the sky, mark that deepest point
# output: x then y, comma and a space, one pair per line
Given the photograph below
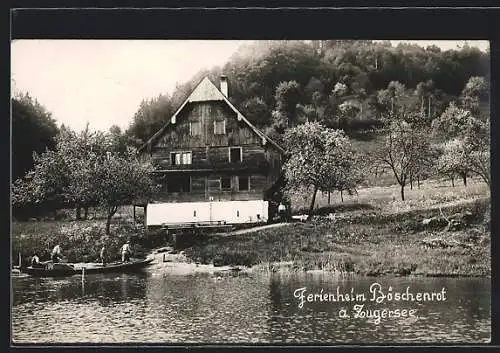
102, 82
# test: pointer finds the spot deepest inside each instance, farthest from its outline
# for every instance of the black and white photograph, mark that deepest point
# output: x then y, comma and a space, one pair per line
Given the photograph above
216, 191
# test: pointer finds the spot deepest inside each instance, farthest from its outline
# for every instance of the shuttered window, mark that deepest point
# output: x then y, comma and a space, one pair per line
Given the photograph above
219, 127
178, 158
194, 128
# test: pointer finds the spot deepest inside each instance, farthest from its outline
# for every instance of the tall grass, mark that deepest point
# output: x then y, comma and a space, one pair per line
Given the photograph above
380, 244
80, 240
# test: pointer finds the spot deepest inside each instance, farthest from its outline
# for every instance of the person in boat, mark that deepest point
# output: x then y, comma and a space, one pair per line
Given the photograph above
126, 252
35, 262
56, 254
104, 255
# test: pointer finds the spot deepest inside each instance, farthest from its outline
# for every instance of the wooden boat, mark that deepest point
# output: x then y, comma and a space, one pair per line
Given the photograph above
69, 269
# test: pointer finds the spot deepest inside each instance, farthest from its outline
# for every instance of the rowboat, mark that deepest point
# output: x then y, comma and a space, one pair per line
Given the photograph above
69, 269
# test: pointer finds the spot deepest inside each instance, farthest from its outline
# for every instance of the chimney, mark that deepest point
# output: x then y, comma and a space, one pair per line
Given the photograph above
223, 85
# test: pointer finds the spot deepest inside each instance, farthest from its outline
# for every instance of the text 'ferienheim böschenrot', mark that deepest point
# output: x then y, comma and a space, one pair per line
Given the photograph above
377, 294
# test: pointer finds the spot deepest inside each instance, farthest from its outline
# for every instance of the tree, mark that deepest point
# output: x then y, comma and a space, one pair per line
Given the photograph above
287, 96
389, 97
119, 140
474, 91
424, 91
340, 89
44, 188
348, 111
307, 113
466, 143
468, 154
480, 164
405, 148
123, 179
313, 86
451, 122
257, 112
319, 158
67, 176
454, 159
150, 117
82, 152
477, 142
33, 130
361, 95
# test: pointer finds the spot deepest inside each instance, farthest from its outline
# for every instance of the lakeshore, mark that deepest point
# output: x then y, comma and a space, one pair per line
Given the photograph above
447, 235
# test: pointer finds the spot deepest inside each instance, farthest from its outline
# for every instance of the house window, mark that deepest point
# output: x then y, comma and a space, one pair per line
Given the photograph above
225, 183
219, 127
246, 132
194, 128
243, 183
178, 158
235, 154
178, 184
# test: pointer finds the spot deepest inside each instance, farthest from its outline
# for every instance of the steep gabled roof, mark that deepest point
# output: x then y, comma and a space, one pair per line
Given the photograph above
207, 91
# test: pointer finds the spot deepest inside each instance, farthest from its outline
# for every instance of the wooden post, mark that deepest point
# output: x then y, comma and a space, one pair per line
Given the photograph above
134, 215
20, 262
83, 281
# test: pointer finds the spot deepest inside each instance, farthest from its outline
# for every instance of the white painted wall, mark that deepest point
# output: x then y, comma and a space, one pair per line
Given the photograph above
231, 212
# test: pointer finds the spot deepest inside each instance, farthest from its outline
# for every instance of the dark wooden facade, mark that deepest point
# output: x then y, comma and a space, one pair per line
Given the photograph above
208, 151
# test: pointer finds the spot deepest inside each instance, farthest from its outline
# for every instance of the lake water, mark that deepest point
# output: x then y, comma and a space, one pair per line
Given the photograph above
162, 308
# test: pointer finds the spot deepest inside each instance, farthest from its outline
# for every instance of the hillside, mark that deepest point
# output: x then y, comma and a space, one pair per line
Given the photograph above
348, 84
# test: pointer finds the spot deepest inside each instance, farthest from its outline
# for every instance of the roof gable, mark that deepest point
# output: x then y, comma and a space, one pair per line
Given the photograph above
207, 91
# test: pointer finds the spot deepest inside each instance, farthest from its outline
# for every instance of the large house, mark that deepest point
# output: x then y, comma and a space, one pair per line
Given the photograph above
214, 166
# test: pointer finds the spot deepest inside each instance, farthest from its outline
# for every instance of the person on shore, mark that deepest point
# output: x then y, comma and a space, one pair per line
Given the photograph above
56, 254
104, 255
282, 211
126, 252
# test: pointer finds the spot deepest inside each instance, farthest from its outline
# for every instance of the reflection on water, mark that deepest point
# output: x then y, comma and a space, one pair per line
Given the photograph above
151, 307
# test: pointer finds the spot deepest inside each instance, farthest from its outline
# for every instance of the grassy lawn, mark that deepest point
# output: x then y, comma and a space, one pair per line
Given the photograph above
373, 234
387, 199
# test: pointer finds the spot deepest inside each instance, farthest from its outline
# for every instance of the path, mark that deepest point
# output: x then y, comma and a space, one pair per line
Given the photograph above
254, 229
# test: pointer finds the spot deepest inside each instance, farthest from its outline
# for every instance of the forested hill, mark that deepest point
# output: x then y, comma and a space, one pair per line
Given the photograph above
347, 84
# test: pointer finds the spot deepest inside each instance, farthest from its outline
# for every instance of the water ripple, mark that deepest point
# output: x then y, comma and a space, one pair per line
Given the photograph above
196, 309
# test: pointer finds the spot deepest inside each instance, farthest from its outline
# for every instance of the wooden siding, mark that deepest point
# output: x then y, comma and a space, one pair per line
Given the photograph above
203, 188
210, 156
237, 132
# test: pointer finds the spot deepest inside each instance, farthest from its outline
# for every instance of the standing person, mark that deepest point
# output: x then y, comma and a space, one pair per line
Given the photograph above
126, 252
104, 255
56, 254
282, 211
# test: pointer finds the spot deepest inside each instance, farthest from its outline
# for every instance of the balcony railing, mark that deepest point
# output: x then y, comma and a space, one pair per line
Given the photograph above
260, 166
224, 195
